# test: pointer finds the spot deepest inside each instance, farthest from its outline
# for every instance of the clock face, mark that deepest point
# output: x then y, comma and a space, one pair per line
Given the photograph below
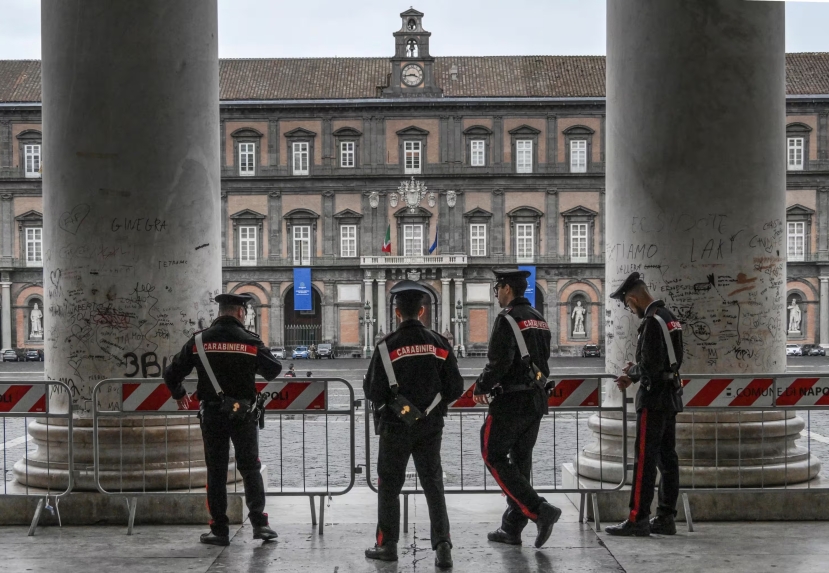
412, 75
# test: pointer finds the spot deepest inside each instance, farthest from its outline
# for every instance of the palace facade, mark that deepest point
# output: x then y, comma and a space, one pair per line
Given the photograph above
324, 162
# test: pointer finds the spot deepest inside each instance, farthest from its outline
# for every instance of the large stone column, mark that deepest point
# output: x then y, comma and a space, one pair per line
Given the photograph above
696, 202
132, 215
824, 310
382, 304
6, 314
445, 305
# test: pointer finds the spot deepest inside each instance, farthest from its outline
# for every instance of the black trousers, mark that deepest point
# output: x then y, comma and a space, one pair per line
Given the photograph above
422, 442
655, 448
218, 431
507, 442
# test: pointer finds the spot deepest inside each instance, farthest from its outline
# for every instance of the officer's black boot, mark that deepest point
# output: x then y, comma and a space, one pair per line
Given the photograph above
663, 525
547, 517
640, 528
385, 552
213, 539
264, 533
501, 536
443, 555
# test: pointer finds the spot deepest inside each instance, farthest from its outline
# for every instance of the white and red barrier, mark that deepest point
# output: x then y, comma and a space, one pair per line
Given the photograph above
299, 396
22, 398
802, 391
728, 392
567, 393
149, 397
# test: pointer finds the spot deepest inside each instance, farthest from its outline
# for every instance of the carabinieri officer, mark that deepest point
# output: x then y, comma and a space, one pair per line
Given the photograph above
659, 399
517, 380
412, 378
235, 356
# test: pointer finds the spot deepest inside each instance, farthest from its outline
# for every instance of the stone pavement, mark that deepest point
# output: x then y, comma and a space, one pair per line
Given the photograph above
728, 547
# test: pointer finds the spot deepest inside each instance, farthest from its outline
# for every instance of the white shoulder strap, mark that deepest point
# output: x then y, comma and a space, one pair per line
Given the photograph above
206, 364
519, 338
668, 343
387, 366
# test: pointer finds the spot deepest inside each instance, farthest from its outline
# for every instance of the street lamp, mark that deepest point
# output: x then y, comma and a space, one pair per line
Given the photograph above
367, 320
459, 321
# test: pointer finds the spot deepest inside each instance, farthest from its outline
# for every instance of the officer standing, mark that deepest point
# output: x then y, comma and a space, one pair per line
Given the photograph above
519, 401
234, 356
412, 378
659, 399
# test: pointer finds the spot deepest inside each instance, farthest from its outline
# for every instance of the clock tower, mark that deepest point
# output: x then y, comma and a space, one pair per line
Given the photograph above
412, 67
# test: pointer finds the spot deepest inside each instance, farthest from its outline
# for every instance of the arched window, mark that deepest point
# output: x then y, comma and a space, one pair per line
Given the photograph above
411, 49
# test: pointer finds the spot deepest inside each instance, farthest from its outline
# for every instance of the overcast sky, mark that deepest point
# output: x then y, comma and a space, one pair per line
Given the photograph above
313, 28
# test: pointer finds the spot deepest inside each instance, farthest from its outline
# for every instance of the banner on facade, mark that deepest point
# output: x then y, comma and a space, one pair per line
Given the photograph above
302, 289
530, 292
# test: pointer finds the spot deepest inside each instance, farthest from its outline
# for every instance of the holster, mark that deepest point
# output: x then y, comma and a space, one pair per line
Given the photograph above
404, 409
236, 409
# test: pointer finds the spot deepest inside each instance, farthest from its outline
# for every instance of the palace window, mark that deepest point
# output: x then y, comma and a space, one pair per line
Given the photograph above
477, 240
524, 241
796, 249
300, 158
578, 156
578, 242
412, 150
412, 240
302, 244
524, 156
795, 153
247, 246
347, 154
32, 153
34, 246
478, 153
348, 240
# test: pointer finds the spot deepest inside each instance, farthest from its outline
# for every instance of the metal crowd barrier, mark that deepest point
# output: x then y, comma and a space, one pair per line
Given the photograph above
22, 401
750, 394
572, 396
296, 409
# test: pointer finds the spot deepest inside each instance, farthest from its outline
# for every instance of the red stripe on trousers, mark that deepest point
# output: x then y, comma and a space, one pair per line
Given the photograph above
524, 509
379, 538
640, 465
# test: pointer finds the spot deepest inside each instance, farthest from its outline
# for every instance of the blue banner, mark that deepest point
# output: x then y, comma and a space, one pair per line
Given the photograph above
302, 289
530, 292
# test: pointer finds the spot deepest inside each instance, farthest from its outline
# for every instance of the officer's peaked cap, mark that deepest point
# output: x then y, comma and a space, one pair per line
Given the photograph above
235, 299
512, 273
633, 279
408, 287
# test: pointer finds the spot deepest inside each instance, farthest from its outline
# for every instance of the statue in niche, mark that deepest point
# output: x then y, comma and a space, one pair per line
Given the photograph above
35, 317
794, 316
411, 49
250, 318
578, 319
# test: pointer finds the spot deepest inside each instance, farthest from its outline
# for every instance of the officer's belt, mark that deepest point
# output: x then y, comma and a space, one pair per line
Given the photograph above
517, 388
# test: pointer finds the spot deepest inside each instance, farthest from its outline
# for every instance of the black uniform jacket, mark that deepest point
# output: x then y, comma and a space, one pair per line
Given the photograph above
505, 367
652, 362
236, 356
423, 364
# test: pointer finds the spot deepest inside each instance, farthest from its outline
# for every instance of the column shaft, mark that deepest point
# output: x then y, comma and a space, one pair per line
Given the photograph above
382, 304
824, 310
6, 314
445, 305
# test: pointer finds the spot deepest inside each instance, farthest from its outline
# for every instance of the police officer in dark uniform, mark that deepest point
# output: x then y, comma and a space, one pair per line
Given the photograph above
519, 401
658, 401
428, 380
235, 356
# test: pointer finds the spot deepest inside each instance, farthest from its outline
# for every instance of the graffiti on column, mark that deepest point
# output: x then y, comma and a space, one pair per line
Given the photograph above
118, 313
723, 280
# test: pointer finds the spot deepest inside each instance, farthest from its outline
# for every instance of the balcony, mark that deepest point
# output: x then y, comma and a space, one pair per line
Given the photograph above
408, 261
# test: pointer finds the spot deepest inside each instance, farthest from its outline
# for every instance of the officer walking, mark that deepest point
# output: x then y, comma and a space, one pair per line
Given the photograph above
516, 376
659, 399
412, 378
227, 358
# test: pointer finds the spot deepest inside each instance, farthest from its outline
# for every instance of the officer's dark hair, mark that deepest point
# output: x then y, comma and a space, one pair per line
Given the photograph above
409, 303
518, 285
229, 309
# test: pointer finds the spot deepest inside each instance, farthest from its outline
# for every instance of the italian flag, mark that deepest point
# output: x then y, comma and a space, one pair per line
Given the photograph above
387, 241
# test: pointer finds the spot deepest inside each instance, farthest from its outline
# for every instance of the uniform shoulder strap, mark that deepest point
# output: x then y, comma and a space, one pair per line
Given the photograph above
206, 363
387, 366
519, 338
668, 342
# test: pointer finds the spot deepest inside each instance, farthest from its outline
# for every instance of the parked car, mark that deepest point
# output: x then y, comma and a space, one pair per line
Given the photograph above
590, 351
813, 350
325, 351
32, 356
278, 352
10, 355
794, 350
300, 352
